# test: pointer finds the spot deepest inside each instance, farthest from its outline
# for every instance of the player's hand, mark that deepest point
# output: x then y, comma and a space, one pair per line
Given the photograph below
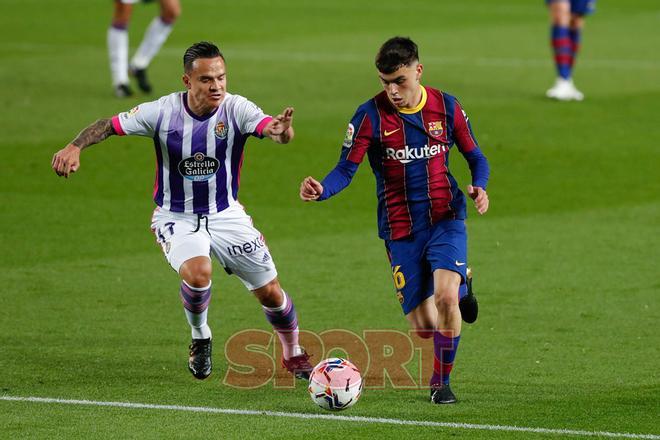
310, 189
66, 161
480, 198
281, 123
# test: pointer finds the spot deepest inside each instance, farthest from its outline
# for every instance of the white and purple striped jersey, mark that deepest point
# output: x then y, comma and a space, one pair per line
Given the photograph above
199, 159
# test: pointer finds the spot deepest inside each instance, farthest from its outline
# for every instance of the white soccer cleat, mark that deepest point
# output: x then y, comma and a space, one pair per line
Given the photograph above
552, 91
577, 95
564, 90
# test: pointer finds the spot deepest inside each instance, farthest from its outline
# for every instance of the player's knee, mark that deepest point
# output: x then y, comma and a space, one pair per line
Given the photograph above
197, 272
560, 13
199, 280
577, 22
122, 14
446, 297
170, 13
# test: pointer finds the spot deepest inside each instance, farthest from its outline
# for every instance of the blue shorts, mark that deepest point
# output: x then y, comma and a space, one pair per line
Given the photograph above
579, 7
413, 260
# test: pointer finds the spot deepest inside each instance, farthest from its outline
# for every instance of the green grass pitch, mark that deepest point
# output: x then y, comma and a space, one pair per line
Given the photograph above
566, 260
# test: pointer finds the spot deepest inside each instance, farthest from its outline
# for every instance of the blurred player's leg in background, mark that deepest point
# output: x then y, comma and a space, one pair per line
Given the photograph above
154, 38
567, 22
575, 34
560, 15
118, 47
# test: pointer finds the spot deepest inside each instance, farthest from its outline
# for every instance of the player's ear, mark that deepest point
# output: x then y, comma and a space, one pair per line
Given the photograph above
186, 80
419, 70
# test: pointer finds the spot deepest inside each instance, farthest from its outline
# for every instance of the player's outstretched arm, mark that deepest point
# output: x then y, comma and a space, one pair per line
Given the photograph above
67, 160
480, 197
310, 189
280, 128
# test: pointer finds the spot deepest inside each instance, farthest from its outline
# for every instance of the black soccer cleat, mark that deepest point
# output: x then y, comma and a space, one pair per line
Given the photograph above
199, 362
469, 305
141, 76
441, 394
123, 91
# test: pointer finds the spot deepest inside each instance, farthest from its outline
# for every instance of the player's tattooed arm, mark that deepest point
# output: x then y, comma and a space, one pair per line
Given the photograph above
95, 133
67, 160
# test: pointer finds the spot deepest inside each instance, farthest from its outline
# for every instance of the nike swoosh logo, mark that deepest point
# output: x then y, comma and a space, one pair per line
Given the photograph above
459, 264
387, 133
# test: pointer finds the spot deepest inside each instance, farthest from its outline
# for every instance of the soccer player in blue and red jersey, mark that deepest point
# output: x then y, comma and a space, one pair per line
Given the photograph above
567, 17
199, 137
407, 132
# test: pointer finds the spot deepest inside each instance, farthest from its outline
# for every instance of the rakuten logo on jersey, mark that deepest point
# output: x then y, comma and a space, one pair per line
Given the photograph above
408, 154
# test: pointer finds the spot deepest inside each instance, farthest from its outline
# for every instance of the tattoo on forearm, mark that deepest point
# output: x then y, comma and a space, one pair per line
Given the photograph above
94, 134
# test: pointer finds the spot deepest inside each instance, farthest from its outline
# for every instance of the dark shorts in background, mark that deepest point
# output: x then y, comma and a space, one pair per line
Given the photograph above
580, 7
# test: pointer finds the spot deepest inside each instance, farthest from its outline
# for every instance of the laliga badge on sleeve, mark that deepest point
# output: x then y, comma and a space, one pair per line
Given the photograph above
129, 114
348, 139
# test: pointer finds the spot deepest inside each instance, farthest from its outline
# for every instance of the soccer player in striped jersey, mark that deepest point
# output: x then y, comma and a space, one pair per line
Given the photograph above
199, 137
567, 18
154, 37
407, 132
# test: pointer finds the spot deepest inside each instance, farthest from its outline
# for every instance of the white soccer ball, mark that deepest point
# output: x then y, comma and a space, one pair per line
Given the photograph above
335, 384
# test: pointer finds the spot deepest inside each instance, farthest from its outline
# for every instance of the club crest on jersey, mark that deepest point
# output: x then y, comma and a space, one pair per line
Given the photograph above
221, 130
132, 112
198, 167
348, 139
435, 129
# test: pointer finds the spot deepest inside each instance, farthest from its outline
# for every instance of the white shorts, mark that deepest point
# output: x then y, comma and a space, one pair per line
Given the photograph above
229, 235
129, 2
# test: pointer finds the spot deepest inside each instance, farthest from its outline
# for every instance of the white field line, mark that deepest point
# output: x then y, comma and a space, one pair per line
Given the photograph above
202, 409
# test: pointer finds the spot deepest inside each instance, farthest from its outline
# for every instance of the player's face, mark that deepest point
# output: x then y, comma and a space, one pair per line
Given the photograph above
206, 83
402, 86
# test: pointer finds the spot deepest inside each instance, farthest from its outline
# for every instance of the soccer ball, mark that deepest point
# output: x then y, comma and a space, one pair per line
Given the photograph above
335, 384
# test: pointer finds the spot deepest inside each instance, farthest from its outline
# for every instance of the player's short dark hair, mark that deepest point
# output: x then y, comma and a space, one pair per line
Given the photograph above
396, 53
203, 49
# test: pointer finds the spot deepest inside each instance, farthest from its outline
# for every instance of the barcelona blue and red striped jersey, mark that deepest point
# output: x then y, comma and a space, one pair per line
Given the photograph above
408, 150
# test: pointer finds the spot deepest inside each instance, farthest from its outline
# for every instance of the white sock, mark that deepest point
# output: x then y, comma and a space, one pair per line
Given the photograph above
118, 52
153, 39
198, 325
